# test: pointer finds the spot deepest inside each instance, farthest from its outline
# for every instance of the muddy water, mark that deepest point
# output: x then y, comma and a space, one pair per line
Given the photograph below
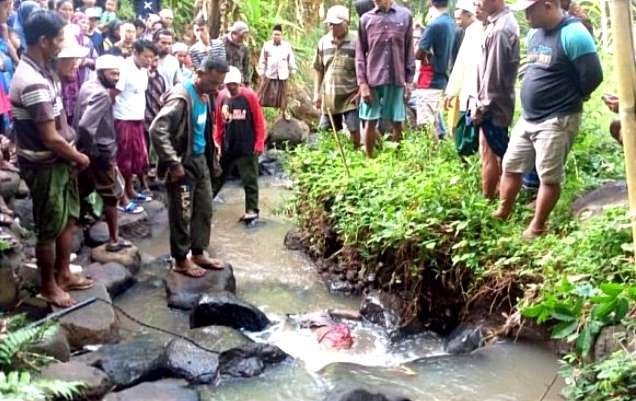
281, 282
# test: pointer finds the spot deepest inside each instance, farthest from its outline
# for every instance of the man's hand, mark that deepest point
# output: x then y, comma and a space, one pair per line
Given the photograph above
218, 150
611, 102
177, 173
317, 101
448, 102
365, 93
82, 161
478, 117
407, 92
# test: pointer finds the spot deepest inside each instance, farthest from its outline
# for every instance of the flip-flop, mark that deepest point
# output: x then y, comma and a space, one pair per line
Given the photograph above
83, 284
143, 198
192, 272
119, 246
131, 208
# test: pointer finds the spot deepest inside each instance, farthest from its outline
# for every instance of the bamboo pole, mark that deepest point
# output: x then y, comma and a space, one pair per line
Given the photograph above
335, 135
621, 19
604, 25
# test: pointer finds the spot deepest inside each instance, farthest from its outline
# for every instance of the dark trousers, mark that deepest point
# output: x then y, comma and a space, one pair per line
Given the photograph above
248, 171
190, 209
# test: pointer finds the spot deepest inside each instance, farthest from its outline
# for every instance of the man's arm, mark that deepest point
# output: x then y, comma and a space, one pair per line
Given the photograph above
258, 121
409, 57
581, 51
219, 125
362, 47
503, 51
247, 68
58, 145
98, 105
319, 76
262, 62
161, 129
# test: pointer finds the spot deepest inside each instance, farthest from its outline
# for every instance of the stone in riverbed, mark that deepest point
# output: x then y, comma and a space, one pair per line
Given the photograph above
612, 339
128, 257
128, 363
611, 194
184, 360
464, 339
98, 234
55, 346
250, 360
294, 240
95, 382
114, 276
363, 395
92, 324
185, 292
163, 390
290, 132
225, 309
23, 209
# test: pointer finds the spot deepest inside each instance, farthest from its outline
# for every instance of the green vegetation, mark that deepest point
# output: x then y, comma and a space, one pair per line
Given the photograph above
415, 220
19, 364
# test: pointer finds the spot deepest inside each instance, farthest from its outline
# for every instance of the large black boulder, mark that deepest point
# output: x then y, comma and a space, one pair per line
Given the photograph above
464, 339
250, 360
363, 395
225, 309
185, 292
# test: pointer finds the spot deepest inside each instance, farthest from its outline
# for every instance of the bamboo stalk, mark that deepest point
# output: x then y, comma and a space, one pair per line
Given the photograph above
621, 20
335, 135
604, 25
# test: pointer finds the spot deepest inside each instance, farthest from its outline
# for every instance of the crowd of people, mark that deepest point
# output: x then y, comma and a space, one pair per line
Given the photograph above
95, 104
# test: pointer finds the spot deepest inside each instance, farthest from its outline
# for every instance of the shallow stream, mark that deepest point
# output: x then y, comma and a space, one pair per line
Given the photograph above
282, 282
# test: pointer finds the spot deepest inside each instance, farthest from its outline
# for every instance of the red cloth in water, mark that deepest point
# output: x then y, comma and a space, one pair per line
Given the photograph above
337, 336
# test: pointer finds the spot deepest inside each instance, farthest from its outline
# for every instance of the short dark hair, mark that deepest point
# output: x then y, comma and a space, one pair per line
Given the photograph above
139, 24
440, 3
143, 44
277, 27
59, 3
42, 23
162, 32
213, 63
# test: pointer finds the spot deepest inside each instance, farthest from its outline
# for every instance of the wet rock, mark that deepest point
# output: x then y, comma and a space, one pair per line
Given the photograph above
225, 309
114, 276
464, 339
340, 285
611, 194
185, 360
134, 227
185, 292
352, 276
9, 184
98, 234
23, 209
95, 382
55, 346
92, 324
9, 280
250, 360
294, 240
128, 257
290, 132
612, 339
363, 395
301, 104
128, 363
381, 308
163, 390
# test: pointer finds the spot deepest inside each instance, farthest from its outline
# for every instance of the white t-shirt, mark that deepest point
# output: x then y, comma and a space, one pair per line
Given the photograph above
170, 70
130, 104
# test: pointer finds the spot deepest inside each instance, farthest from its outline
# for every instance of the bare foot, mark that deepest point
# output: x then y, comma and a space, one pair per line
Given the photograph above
502, 213
208, 263
75, 283
56, 296
187, 268
530, 234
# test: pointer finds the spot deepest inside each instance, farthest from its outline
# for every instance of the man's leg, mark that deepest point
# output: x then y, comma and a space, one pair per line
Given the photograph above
397, 131
63, 275
110, 213
179, 216
202, 216
218, 182
490, 168
248, 170
510, 187
352, 121
45, 255
546, 200
370, 137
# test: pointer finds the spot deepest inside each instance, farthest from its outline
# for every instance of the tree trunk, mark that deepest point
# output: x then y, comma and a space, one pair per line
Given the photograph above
214, 18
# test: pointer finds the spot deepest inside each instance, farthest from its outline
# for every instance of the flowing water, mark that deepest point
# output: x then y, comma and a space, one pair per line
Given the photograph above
282, 282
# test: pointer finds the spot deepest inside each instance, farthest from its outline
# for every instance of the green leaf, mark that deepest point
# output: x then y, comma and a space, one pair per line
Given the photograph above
585, 342
564, 329
603, 310
612, 289
563, 313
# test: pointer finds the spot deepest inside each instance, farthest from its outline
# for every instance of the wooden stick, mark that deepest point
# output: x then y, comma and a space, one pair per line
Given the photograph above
335, 135
621, 23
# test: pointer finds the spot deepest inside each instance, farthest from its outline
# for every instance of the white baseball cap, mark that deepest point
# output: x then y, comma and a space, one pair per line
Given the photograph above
179, 47
337, 15
233, 76
523, 4
166, 13
108, 62
466, 5
72, 49
239, 27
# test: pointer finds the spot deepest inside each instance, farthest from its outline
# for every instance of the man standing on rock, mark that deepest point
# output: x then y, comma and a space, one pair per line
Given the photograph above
48, 160
239, 136
336, 86
563, 71
97, 138
496, 77
385, 67
182, 140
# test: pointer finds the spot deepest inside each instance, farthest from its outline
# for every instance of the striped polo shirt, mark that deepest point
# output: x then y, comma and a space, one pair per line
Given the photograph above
36, 98
337, 62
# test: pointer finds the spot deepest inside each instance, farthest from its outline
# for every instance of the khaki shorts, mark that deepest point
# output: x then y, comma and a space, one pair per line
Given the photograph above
544, 145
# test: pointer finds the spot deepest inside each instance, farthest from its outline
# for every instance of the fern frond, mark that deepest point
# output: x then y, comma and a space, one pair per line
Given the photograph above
19, 386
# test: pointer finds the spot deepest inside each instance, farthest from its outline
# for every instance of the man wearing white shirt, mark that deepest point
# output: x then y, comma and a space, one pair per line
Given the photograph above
129, 112
169, 67
276, 64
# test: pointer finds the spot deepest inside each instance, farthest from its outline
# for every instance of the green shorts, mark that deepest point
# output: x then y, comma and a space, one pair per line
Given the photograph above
55, 198
387, 104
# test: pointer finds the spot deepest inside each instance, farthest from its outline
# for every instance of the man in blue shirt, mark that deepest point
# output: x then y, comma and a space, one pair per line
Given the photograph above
563, 71
434, 52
